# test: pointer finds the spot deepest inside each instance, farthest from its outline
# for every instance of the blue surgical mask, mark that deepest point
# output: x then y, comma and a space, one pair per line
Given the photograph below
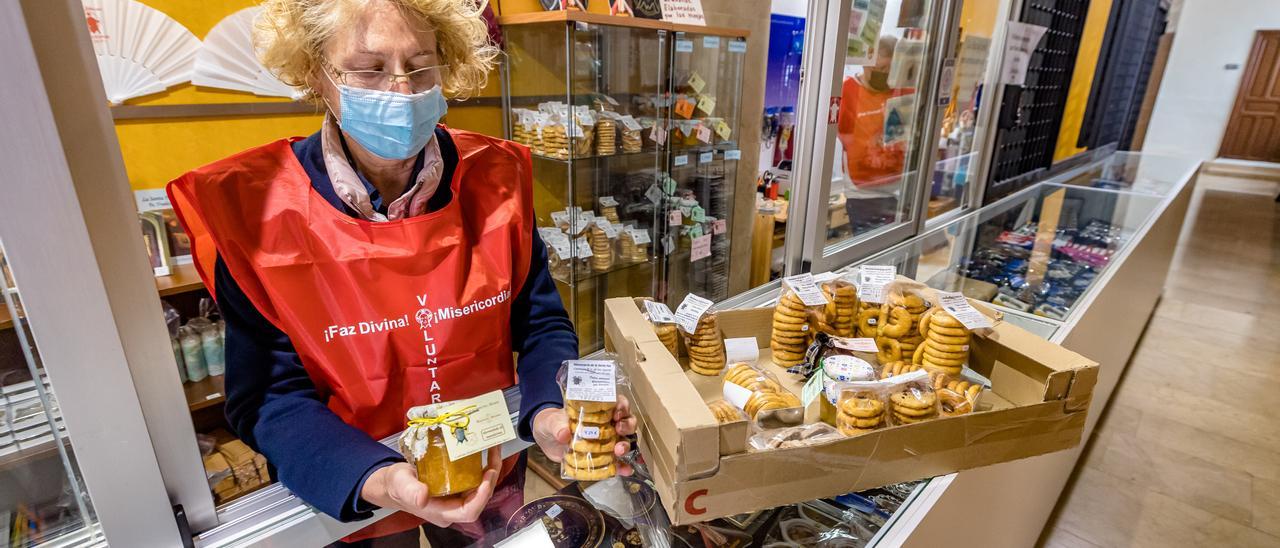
391, 125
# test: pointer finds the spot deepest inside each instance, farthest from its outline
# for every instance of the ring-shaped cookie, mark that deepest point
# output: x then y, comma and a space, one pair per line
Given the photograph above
851, 422
949, 362
889, 350
943, 339
582, 445
588, 474
949, 331
602, 417
588, 460
932, 349
779, 317
946, 350
862, 407
705, 371
918, 354
787, 354
913, 399
945, 319
952, 404
894, 322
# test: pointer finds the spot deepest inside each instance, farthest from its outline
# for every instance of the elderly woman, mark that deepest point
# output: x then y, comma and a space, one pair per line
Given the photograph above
330, 257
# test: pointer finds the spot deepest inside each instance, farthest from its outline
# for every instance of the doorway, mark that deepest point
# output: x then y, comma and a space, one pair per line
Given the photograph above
1253, 131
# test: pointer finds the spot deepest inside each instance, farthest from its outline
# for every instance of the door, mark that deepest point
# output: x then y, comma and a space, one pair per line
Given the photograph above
1253, 132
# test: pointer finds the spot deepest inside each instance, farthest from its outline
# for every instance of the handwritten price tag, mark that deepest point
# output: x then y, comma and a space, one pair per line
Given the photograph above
684, 108
696, 82
675, 218
706, 104
719, 226
701, 248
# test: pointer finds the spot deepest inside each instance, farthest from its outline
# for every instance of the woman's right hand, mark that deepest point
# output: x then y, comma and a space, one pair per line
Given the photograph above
397, 487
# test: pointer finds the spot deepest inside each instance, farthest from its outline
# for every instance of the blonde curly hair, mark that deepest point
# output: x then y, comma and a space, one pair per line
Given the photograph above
289, 36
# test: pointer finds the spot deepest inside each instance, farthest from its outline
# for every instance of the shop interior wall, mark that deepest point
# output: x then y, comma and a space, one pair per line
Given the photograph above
1095, 29
1197, 91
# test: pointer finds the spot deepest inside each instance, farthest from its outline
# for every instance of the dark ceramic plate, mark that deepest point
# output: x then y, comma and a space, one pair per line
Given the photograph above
571, 521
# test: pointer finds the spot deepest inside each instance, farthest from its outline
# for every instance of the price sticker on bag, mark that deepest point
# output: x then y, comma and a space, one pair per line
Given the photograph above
696, 83
722, 129
590, 380
690, 311
675, 218
958, 306
872, 279
640, 236
707, 104
701, 248
659, 312
684, 108
719, 226
488, 424
805, 288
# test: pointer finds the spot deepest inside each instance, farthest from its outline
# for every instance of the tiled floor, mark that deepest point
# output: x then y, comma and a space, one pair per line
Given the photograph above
1189, 451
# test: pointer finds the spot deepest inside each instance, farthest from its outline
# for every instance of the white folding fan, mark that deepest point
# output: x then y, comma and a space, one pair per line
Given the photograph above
227, 60
140, 50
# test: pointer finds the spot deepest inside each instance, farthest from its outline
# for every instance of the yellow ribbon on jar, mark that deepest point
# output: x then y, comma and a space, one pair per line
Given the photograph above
455, 420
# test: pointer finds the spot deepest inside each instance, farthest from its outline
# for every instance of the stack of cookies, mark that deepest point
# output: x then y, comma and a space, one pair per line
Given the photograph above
582, 143
893, 369
725, 412
590, 456
606, 137
913, 404
897, 335
610, 213
860, 413
601, 250
842, 305
791, 334
629, 251
765, 400
946, 343
555, 143
667, 334
631, 140
522, 133
706, 347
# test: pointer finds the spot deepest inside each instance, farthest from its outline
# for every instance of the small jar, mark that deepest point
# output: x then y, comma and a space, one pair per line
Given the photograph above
443, 476
840, 368
192, 354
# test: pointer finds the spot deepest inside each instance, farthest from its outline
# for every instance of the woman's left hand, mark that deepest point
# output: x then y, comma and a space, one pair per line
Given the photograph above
552, 431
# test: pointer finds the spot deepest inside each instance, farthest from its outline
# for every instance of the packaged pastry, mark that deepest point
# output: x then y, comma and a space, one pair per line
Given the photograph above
893, 369
897, 334
793, 436
601, 248
841, 360
726, 412
590, 389
705, 346
839, 316
663, 322
754, 390
423, 444
912, 398
956, 395
606, 135
862, 406
791, 331
946, 343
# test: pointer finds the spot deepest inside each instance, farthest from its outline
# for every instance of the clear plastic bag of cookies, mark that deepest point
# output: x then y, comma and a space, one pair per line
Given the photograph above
839, 316
755, 391
957, 395
726, 412
793, 436
945, 346
590, 389
792, 330
663, 322
705, 346
911, 398
897, 325
862, 406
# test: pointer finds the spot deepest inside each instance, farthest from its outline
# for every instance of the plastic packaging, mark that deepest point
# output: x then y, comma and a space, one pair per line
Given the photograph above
912, 398
897, 331
838, 368
601, 249
705, 346
726, 412
793, 436
956, 396
211, 343
946, 343
590, 390
173, 321
791, 333
863, 406
423, 444
839, 316
192, 353
754, 391
893, 369
666, 330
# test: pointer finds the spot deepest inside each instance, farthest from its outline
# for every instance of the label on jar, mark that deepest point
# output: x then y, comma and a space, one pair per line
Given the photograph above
488, 423
958, 306
591, 380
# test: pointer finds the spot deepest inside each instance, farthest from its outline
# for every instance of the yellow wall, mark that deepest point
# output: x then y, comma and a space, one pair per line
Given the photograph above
1095, 27
978, 17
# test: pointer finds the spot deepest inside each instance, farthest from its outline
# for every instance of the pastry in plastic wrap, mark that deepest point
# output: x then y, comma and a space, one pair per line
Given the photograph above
601, 249
631, 140
726, 412
791, 335
590, 399
555, 141
839, 317
606, 138
913, 400
895, 368
946, 343
763, 391
706, 346
861, 410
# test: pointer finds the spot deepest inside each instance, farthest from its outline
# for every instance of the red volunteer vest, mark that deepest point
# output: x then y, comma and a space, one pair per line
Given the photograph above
384, 316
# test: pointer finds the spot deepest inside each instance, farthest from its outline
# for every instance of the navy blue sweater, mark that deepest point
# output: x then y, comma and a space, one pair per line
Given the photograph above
275, 408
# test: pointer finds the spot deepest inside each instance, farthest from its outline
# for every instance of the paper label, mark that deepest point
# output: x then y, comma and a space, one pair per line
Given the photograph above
630, 123
608, 201
658, 134
684, 46
654, 194
697, 214
705, 157
722, 129
812, 388
861, 344
847, 368
582, 248
734, 154
609, 229
690, 311
590, 380
957, 305
589, 432
684, 108
719, 226
640, 236
696, 83
675, 218
668, 184
560, 217
549, 232
701, 248
561, 248
659, 312
711, 41
707, 104
703, 133
736, 395
490, 425
553, 511
806, 289
668, 244
737, 46
741, 349
872, 279
680, 160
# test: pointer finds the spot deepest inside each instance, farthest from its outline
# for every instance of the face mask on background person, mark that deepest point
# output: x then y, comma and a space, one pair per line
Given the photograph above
388, 124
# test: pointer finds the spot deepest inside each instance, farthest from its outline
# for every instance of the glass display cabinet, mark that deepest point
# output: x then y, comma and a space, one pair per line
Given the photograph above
632, 124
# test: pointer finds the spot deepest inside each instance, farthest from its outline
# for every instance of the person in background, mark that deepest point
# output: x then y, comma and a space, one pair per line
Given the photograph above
380, 218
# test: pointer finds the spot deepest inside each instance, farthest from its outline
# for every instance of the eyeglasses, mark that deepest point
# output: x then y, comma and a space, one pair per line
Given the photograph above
419, 80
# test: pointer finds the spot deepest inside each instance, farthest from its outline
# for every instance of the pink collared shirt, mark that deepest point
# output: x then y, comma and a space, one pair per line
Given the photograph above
347, 185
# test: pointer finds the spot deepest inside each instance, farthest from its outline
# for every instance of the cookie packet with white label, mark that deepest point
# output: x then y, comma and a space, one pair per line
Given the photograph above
958, 394
756, 391
912, 398
862, 406
839, 316
663, 321
796, 317
897, 334
705, 345
591, 391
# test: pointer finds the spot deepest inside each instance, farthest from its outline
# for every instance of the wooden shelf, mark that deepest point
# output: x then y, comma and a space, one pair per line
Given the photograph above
6, 322
573, 16
183, 278
206, 393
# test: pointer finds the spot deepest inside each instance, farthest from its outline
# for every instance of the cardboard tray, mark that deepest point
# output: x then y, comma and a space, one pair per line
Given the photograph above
1037, 404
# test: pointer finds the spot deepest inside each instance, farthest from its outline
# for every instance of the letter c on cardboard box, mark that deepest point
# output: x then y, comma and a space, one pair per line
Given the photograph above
688, 503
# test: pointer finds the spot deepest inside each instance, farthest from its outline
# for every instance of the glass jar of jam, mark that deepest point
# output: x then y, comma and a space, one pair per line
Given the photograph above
443, 476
